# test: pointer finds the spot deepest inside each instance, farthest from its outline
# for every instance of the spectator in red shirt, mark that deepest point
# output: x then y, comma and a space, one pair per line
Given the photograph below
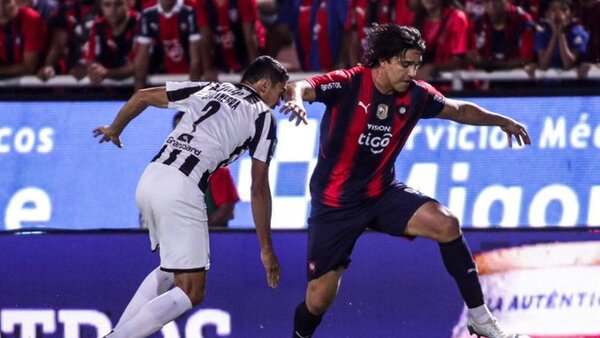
318, 32
22, 37
110, 47
168, 42
229, 35
445, 28
44, 7
221, 195
69, 30
504, 37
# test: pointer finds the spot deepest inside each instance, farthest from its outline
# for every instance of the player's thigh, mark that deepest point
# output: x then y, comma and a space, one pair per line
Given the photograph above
192, 283
175, 212
332, 233
395, 208
435, 221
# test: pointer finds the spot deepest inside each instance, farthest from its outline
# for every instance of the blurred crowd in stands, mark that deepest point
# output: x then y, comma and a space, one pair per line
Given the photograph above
117, 39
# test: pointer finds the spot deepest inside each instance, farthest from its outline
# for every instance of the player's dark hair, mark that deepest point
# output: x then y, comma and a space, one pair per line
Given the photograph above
387, 41
265, 67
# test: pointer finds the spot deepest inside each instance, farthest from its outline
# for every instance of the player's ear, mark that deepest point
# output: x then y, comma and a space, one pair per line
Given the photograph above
263, 86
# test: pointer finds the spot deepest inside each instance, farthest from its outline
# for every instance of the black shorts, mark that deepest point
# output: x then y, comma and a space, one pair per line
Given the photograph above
333, 231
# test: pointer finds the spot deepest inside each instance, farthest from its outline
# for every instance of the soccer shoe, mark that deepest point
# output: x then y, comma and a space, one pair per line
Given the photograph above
490, 329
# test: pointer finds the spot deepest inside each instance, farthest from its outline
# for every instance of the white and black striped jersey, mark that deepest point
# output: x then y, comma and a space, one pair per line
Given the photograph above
221, 121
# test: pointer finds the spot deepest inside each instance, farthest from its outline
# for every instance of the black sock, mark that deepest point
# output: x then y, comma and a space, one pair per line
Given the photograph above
305, 323
460, 264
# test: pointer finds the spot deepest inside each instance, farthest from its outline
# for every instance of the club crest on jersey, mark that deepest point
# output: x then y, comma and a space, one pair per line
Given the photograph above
382, 111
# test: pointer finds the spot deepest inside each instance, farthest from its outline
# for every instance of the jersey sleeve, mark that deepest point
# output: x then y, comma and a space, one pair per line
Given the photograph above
434, 100
459, 30
201, 14
178, 93
262, 145
34, 32
192, 20
144, 35
331, 86
223, 187
90, 51
248, 10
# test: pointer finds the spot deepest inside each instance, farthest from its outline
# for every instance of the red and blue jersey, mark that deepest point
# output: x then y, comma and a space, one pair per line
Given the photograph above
362, 132
112, 51
25, 33
446, 37
514, 41
362, 14
225, 19
77, 18
318, 27
169, 35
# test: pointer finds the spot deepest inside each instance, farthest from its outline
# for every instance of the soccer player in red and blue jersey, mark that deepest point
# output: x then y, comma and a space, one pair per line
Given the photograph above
371, 110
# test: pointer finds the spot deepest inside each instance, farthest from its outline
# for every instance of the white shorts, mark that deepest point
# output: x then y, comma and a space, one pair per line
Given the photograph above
173, 209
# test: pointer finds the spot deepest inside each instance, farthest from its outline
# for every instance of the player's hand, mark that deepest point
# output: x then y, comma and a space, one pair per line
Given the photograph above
271, 264
45, 73
514, 128
296, 110
96, 72
108, 134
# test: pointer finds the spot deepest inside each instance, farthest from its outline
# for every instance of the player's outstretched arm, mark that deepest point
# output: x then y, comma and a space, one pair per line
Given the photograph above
142, 99
295, 94
261, 212
469, 113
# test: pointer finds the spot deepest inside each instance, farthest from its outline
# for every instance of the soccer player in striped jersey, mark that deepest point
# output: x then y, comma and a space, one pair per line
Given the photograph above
370, 112
221, 121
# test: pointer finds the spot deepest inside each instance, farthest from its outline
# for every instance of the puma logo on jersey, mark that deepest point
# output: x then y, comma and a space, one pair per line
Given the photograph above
366, 108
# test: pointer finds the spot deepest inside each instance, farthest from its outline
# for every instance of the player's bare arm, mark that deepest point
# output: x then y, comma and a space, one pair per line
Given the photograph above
261, 212
295, 94
469, 113
142, 99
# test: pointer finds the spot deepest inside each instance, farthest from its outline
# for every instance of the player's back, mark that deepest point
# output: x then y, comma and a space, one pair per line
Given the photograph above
221, 121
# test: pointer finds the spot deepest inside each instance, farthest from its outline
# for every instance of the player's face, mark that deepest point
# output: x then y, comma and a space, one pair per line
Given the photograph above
401, 70
494, 7
115, 11
273, 94
431, 5
8, 11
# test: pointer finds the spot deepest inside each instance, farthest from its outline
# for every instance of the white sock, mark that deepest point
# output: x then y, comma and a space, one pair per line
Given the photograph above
155, 284
480, 314
154, 315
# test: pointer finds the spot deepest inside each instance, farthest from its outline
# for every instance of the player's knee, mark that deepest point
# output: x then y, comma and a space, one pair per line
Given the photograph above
195, 291
318, 299
449, 229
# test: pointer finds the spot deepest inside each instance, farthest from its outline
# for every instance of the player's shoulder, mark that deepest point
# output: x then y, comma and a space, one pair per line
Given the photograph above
424, 87
335, 79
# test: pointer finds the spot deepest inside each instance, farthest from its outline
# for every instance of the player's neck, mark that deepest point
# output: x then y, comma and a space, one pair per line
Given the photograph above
381, 82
